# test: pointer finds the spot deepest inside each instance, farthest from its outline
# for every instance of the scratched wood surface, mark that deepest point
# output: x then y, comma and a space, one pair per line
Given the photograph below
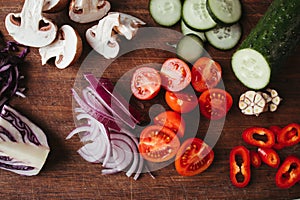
67, 176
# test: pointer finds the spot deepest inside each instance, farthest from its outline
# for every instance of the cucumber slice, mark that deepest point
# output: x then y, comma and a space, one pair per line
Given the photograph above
251, 68
196, 16
224, 37
225, 11
165, 12
189, 48
186, 30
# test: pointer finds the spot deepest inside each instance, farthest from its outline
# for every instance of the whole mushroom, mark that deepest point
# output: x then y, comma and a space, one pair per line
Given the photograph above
85, 11
29, 27
66, 48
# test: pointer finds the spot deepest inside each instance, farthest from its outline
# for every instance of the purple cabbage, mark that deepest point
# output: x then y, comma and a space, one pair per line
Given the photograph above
11, 57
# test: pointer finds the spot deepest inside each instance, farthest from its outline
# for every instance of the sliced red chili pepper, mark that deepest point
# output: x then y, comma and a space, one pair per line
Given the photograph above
240, 165
255, 159
276, 130
289, 135
269, 156
288, 173
258, 136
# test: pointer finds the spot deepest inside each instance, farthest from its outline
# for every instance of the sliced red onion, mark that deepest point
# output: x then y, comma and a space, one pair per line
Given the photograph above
111, 102
23, 145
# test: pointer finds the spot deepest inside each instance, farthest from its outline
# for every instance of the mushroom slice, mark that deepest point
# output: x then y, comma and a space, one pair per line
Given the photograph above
29, 27
128, 25
101, 36
54, 5
85, 11
66, 48
252, 103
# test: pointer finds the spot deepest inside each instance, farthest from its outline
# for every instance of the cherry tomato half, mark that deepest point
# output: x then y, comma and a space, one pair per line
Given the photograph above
215, 103
145, 83
193, 157
158, 143
171, 120
175, 74
181, 102
206, 74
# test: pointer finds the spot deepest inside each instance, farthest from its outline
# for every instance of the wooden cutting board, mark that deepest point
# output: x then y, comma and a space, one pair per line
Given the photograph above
67, 176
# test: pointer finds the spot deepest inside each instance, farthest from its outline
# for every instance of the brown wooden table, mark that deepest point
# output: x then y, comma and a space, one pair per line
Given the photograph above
67, 176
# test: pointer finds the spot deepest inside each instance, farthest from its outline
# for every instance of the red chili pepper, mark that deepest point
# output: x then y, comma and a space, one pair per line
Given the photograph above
258, 136
288, 173
240, 166
269, 156
276, 130
289, 135
255, 159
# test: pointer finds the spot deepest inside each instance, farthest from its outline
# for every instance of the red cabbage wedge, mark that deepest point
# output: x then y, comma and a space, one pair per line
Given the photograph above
23, 145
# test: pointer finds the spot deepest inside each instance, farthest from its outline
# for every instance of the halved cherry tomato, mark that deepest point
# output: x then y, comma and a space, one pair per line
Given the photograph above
145, 83
171, 120
175, 75
289, 135
269, 156
288, 173
206, 74
181, 102
276, 130
215, 103
259, 136
240, 166
193, 157
255, 159
158, 143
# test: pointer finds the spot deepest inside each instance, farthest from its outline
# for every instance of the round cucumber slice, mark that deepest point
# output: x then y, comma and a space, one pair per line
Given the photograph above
165, 12
196, 16
189, 48
224, 37
251, 68
225, 11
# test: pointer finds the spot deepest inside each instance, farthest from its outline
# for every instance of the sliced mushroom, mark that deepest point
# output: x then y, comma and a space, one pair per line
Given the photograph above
252, 103
128, 25
66, 48
85, 11
54, 5
102, 38
29, 27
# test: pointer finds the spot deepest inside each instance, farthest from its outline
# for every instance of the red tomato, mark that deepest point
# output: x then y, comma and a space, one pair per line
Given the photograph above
215, 103
175, 74
181, 102
193, 157
158, 143
206, 74
171, 120
145, 83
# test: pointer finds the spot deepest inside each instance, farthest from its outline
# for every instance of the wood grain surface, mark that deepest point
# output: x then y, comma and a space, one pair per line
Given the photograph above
67, 176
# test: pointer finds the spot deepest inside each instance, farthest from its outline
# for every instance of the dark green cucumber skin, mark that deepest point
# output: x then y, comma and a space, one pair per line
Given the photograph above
276, 34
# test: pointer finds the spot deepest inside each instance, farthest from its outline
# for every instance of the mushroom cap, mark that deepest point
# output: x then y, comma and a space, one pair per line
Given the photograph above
66, 48
87, 11
54, 5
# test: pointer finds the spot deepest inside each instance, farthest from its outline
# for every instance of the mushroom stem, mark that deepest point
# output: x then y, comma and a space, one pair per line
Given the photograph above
54, 49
